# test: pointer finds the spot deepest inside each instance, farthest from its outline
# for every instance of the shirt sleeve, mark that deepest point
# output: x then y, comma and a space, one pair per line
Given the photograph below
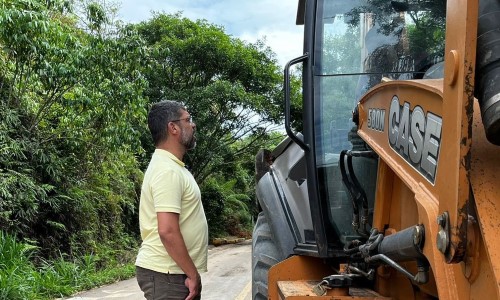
166, 190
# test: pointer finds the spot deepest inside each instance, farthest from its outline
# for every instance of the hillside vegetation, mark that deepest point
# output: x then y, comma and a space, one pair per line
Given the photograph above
75, 88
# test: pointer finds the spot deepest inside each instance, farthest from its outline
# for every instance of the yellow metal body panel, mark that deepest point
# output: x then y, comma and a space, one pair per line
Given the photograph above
485, 182
405, 197
466, 184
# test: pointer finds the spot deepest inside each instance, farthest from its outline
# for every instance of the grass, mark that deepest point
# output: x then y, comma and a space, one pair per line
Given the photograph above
21, 278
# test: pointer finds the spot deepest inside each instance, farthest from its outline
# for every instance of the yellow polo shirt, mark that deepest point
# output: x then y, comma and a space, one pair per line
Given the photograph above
169, 187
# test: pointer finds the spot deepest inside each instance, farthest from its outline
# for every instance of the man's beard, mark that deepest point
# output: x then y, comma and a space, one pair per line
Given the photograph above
188, 141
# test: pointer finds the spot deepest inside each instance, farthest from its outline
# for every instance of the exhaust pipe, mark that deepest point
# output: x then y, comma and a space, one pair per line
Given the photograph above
488, 68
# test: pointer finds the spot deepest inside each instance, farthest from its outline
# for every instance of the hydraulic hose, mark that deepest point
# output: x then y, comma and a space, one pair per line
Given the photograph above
350, 189
361, 191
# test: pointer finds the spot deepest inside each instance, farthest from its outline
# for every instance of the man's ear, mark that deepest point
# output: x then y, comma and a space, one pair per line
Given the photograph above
172, 128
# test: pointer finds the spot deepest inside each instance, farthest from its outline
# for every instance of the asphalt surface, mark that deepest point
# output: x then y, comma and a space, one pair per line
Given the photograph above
228, 278
127, 289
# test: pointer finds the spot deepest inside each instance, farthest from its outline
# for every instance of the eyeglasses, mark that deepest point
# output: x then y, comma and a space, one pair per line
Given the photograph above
188, 119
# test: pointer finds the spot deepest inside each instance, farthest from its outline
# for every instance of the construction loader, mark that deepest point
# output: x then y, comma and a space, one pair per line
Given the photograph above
391, 188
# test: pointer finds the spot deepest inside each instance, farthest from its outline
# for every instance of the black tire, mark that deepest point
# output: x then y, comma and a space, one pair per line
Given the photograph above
265, 254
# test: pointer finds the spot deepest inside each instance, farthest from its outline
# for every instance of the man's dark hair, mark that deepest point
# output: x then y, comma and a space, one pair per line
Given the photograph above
159, 115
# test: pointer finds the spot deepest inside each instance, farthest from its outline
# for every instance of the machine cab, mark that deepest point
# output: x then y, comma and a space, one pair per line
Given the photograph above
352, 46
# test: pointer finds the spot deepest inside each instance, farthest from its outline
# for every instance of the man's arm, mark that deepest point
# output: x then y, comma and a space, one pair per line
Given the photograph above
172, 240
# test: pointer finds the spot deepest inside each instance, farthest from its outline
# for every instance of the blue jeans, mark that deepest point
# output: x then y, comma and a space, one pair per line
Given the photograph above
162, 286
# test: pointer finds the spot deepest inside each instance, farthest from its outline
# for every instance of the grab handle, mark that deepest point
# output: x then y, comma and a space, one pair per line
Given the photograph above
288, 129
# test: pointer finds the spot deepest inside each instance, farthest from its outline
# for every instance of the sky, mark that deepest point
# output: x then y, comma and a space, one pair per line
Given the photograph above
248, 20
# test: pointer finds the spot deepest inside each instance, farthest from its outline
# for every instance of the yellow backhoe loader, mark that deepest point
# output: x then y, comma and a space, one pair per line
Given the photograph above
391, 190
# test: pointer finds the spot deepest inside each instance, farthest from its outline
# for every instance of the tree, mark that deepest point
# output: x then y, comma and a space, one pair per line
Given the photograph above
232, 89
425, 35
75, 89
72, 104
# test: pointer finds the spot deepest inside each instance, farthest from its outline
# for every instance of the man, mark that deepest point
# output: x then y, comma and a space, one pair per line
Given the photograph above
171, 217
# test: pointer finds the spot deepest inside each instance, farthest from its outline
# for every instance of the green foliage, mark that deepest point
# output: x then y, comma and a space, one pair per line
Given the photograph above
14, 265
213, 203
74, 93
233, 89
239, 217
227, 211
20, 278
71, 104
425, 37
342, 57
229, 200
234, 92
296, 111
383, 12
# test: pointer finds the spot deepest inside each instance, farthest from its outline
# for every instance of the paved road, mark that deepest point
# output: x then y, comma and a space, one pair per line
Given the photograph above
228, 278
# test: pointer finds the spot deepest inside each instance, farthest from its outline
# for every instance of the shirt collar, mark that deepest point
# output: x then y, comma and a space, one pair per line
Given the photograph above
169, 155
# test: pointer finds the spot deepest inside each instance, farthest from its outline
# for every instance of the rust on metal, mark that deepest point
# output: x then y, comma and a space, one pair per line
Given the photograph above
458, 102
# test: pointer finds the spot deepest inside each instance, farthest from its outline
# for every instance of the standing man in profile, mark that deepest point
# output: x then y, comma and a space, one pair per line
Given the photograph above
173, 225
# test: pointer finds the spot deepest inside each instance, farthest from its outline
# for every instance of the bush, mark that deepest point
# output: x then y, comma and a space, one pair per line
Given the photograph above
238, 216
213, 199
227, 212
22, 278
16, 269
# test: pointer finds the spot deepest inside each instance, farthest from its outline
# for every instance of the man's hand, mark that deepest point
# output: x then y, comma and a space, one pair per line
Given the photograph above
194, 286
